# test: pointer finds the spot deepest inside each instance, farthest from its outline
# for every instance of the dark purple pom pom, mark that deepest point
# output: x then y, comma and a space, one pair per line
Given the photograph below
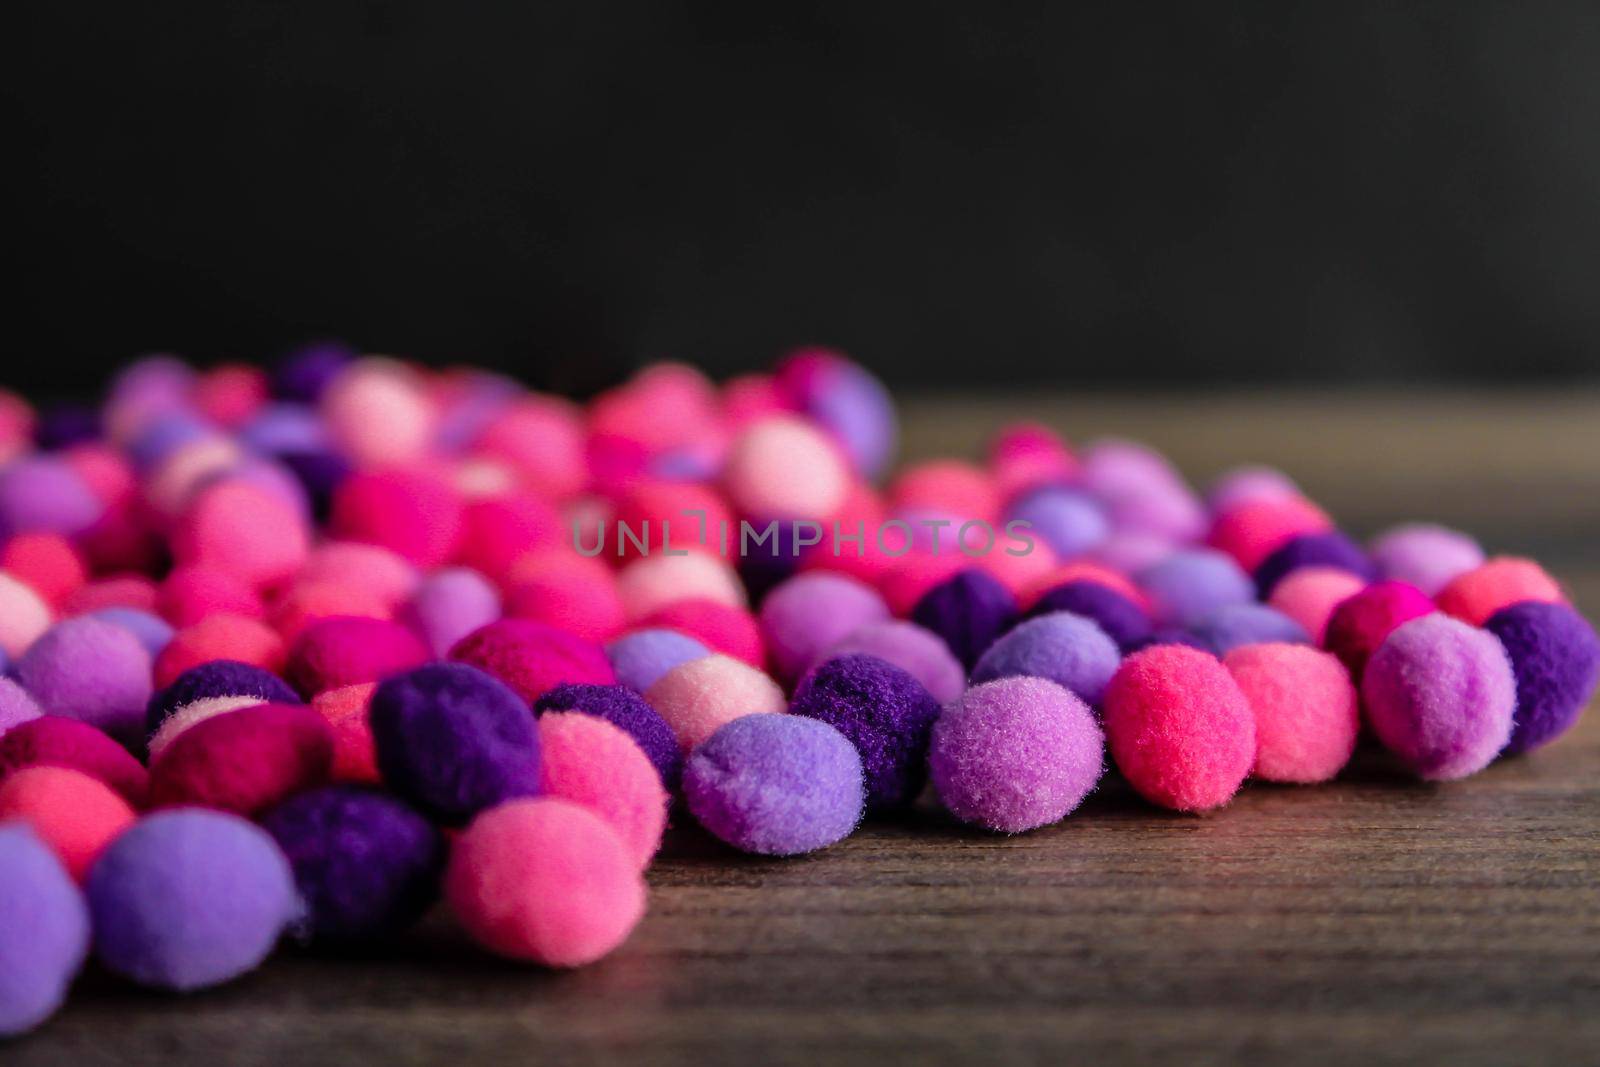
968, 610
1330, 549
319, 473
218, 678
454, 740
1122, 619
64, 425
306, 371
1555, 656
628, 712
886, 714
365, 864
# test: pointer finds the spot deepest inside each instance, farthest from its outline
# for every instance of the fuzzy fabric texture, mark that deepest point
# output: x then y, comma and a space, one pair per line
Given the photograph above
533, 658
1142, 491
189, 899
244, 761
43, 494
1187, 585
1310, 595
1015, 754
366, 865
1179, 728
1425, 555
93, 670
217, 678
496, 532
968, 610
1123, 620
844, 399
1252, 531
454, 740
640, 658
74, 814
230, 637
44, 931
346, 650
192, 714
629, 712
810, 613
1359, 623
544, 880
915, 650
408, 512
560, 588
1555, 656
47, 562
1441, 696
53, 741
776, 785
1307, 713
782, 467
355, 757
1237, 625
882, 710
699, 697
1067, 649
1069, 521
17, 706
587, 760
1329, 548
1502, 581
719, 627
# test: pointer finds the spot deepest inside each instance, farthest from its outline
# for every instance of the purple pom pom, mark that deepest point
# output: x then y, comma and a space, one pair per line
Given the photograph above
919, 653
218, 678
1067, 649
968, 610
884, 712
43, 494
152, 631
811, 612
1556, 658
454, 740
642, 657
44, 930
92, 670
1190, 584
1229, 627
1124, 621
306, 371
628, 712
1071, 522
1330, 549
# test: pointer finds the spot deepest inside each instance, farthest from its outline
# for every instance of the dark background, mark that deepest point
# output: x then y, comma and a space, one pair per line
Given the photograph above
973, 193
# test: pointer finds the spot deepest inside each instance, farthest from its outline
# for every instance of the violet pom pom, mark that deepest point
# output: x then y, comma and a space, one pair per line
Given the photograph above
919, 653
1191, 583
630, 713
44, 930
1555, 656
968, 610
884, 712
810, 612
91, 670
365, 864
1070, 521
1124, 622
1067, 649
642, 657
218, 678
1237, 625
1328, 549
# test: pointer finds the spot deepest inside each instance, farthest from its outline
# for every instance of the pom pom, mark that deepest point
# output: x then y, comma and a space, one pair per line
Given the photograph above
1311, 595
496, 533
89, 669
192, 714
1245, 484
1254, 530
1505, 580
383, 573
845, 400
1026, 455
1015, 754
630, 713
784, 468
217, 678
44, 931
52, 741
243, 531
355, 758
810, 613
543, 438
365, 865
906, 580
969, 611
43, 494
1360, 622
231, 637
1142, 491
378, 413
533, 658
119, 591
544, 880
565, 590
698, 697
919, 652
1425, 555
1238, 625
676, 515
454, 741
775, 785
949, 486
189, 594
17, 706
1440, 695
642, 657
449, 605
74, 814
151, 632
1064, 648
1124, 621
650, 584
410, 513
311, 602
23, 616
244, 761
1555, 656
47, 562
587, 760
333, 653
1190, 584
189, 899
1331, 549
1306, 711
1180, 728
1068, 520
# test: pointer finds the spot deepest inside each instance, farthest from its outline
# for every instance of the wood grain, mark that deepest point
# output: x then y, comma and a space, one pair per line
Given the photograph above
1374, 920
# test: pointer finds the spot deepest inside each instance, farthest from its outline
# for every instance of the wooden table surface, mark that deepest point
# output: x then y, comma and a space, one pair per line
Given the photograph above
1374, 920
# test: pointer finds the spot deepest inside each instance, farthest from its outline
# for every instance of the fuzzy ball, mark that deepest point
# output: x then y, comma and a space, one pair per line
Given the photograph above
341, 651
1327, 549
24, 615
1307, 713
647, 585
1237, 625
1502, 581
189, 899
448, 605
454, 740
309, 602
627, 711
90, 669
1252, 531
17, 705
366, 865
190, 593
46, 561
671, 515
1555, 656
192, 714
118, 591
1441, 695
720, 628
53, 741
810, 613
950, 487
698, 697
1015, 754
43, 494
497, 532
845, 400
969, 611
782, 467
1180, 728
1067, 649
1310, 596
1190, 584
1142, 491
587, 760
905, 580
533, 658
643, 656
355, 757
410, 513
1025, 455
775, 785
245, 760
44, 931
1361, 621
73, 813
239, 529
230, 637
919, 652
542, 437
560, 588
151, 630
544, 880
378, 413
217, 678
1124, 621
305, 372
884, 712
1070, 521
1425, 555
382, 572
1244, 484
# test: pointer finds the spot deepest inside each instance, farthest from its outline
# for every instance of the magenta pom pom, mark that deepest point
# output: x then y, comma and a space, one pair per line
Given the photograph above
1360, 622
533, 658
333, 653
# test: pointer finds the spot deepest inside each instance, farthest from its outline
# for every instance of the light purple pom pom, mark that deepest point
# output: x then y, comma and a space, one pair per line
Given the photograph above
44, 930
90, 669
642, 657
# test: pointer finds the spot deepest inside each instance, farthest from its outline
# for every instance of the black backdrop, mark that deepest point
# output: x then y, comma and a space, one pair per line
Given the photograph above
967, 193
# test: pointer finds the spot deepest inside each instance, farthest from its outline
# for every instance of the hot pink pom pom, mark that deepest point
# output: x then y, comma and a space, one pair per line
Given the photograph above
190, 593
496, 533
533, 658
220, 637
1359, 624
947, 485
46, 561
731, 631
230, 394
345, 650
74, 814
543, 438
1498, 583
1252, 531
412, 513
694, 517
1025, 455
560, 588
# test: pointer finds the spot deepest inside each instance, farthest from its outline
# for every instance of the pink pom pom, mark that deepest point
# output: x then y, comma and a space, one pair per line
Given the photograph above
345, 709
949, 486
244, 761
1360, 623
543, 439
649, 584
24, 615
1026, 455
47, 562
243, 531
384, 573
701, 695
785, 468
1498, 583
74, 814
117, 591
1018, 573
1307, 714
379, 413
496, 533
589, 761
752, 397
731, 631
54, 741
560, 588
192, 592
345, 650
1310, 595
1255, 529
533, 658
220, 637
230, 394
310, 602
694, 517
412, 513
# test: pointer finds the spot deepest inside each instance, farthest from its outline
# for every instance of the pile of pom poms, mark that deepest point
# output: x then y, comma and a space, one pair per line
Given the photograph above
303, 653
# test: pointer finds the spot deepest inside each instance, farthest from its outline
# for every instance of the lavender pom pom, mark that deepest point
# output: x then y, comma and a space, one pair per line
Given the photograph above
44, 931
1067, 649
